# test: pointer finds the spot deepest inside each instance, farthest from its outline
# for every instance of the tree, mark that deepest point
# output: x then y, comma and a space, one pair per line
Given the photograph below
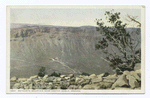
118, 44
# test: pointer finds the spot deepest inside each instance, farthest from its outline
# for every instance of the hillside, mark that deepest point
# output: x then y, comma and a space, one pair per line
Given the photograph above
73, 49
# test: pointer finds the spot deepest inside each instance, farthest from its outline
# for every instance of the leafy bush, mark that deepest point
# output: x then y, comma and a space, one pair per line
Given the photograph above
41, 72
55, 74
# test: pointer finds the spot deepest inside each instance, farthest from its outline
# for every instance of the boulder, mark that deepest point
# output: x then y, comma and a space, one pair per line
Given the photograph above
45, 77
132, 81
126, 72
58, 79
71, 75
67, 78
36, 76
50, 79
32, 78
78, 79
83, 82
135, 75
13, 79
30, 86
86, 77
137, 66
101, 75
92, 76
62, 76
91, 86
121, 82
138, 72
22, 79
73, 87
16, 86
96, 80
105, 85
12, 84
111, 80
112, 76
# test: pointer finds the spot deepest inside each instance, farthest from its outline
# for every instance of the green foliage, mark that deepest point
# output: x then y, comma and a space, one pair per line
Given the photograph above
41, 72
55, 74
116, 36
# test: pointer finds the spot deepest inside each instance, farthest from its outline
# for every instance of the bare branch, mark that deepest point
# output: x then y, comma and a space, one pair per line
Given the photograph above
134, 19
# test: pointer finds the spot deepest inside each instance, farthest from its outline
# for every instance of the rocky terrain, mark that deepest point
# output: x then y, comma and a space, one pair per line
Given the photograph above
127, 81
36, 46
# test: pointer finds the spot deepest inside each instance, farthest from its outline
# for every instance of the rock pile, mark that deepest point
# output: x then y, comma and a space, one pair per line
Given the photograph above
128, 80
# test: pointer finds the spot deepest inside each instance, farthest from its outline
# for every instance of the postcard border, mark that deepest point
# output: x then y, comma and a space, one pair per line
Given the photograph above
142, 7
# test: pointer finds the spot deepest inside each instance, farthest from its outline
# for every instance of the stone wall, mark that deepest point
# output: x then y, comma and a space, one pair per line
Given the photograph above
128, 80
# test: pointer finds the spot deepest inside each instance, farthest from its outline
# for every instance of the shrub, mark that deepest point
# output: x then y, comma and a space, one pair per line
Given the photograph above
55, 74
86, 74
41, 72
105, 74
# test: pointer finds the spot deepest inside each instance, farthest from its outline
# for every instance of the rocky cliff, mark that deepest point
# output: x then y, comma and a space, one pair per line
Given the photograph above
61, 49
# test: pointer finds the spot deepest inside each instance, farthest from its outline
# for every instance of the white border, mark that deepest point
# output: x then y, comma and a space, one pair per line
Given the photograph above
78, 6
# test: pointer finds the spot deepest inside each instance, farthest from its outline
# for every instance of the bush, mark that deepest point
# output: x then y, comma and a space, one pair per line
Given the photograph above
41, 72
55, 74
86, 74
105, 74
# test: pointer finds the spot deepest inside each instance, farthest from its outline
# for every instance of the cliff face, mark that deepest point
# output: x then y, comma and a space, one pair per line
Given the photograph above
61, 49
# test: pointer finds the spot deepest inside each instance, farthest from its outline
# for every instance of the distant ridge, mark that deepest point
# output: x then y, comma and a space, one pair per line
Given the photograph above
24, 25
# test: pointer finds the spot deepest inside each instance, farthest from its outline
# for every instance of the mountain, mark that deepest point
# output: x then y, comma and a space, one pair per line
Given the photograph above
57, 48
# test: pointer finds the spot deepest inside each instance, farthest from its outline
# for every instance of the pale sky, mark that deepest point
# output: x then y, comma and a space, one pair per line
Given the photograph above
67, 17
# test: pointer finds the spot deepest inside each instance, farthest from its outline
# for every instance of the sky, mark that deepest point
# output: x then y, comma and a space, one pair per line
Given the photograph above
67, 17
